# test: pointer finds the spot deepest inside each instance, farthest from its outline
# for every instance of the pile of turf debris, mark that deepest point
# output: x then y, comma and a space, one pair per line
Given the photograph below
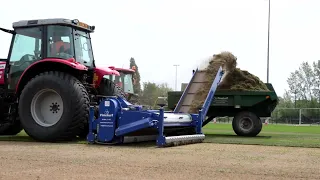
234, 79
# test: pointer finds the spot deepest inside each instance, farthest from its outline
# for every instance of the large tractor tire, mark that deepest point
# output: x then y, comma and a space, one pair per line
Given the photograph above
246, 123
54, 106
109, 88
9, 127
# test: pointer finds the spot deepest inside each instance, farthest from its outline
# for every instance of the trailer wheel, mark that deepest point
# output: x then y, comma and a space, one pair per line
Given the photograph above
246, 124
53, 106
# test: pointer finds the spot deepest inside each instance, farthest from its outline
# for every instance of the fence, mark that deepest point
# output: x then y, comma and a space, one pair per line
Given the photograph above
308, 116
294, 116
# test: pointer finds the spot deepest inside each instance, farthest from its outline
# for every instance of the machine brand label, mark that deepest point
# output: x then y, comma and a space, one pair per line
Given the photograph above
106, 114
221, 100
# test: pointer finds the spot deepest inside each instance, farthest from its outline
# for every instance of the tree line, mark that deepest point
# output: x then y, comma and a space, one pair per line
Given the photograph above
147, 93
303, 93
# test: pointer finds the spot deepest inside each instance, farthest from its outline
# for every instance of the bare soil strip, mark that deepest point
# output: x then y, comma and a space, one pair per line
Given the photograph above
31, 160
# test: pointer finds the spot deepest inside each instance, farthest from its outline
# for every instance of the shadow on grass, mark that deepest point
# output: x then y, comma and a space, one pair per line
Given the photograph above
25, 138
147, 144
16, 138
235, 136
77, 141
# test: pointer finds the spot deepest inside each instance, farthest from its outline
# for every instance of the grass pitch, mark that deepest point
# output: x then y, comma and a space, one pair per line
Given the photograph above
271, 135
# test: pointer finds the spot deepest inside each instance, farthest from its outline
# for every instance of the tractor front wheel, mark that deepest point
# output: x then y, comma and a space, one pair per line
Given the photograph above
53, 106
9, 129
109, 88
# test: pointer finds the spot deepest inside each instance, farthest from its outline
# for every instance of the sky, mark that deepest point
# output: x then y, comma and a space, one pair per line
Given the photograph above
160, 34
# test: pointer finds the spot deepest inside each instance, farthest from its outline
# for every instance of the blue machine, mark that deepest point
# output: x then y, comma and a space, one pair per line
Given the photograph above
117, 121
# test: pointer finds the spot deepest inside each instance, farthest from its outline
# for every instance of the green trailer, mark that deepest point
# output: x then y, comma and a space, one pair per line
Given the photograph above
246, 108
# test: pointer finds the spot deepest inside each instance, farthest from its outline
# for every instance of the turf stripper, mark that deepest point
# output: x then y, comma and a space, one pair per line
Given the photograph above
116, 121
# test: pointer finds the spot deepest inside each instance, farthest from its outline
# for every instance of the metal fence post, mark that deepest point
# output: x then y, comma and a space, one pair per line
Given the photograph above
300, 116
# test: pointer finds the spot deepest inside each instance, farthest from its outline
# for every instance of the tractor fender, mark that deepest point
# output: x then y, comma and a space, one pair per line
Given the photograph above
48, 64
99, 72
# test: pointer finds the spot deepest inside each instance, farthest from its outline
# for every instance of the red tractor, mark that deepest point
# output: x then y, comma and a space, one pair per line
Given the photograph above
49, 80
124, 81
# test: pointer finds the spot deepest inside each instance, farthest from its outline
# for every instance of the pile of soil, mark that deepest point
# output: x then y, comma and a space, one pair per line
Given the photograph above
234, 79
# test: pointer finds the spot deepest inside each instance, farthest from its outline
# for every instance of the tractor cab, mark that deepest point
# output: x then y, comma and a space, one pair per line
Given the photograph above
52, 38
48, 39
124, 81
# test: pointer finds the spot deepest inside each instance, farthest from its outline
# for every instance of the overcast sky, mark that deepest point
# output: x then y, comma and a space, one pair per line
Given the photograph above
159, 34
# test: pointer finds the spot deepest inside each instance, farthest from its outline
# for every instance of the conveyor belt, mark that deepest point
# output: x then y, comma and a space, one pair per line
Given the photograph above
198, 81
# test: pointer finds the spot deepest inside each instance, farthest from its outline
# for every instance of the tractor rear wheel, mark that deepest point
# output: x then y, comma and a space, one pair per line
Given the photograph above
54, 106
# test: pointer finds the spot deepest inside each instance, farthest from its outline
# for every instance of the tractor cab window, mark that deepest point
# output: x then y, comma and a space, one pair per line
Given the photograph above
118, 81
110, 77
83, 48
60, 42
26, 45
26, 50
127, 83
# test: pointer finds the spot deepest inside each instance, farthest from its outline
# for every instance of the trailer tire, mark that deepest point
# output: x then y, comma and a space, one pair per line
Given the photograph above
56, 97
246, 123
